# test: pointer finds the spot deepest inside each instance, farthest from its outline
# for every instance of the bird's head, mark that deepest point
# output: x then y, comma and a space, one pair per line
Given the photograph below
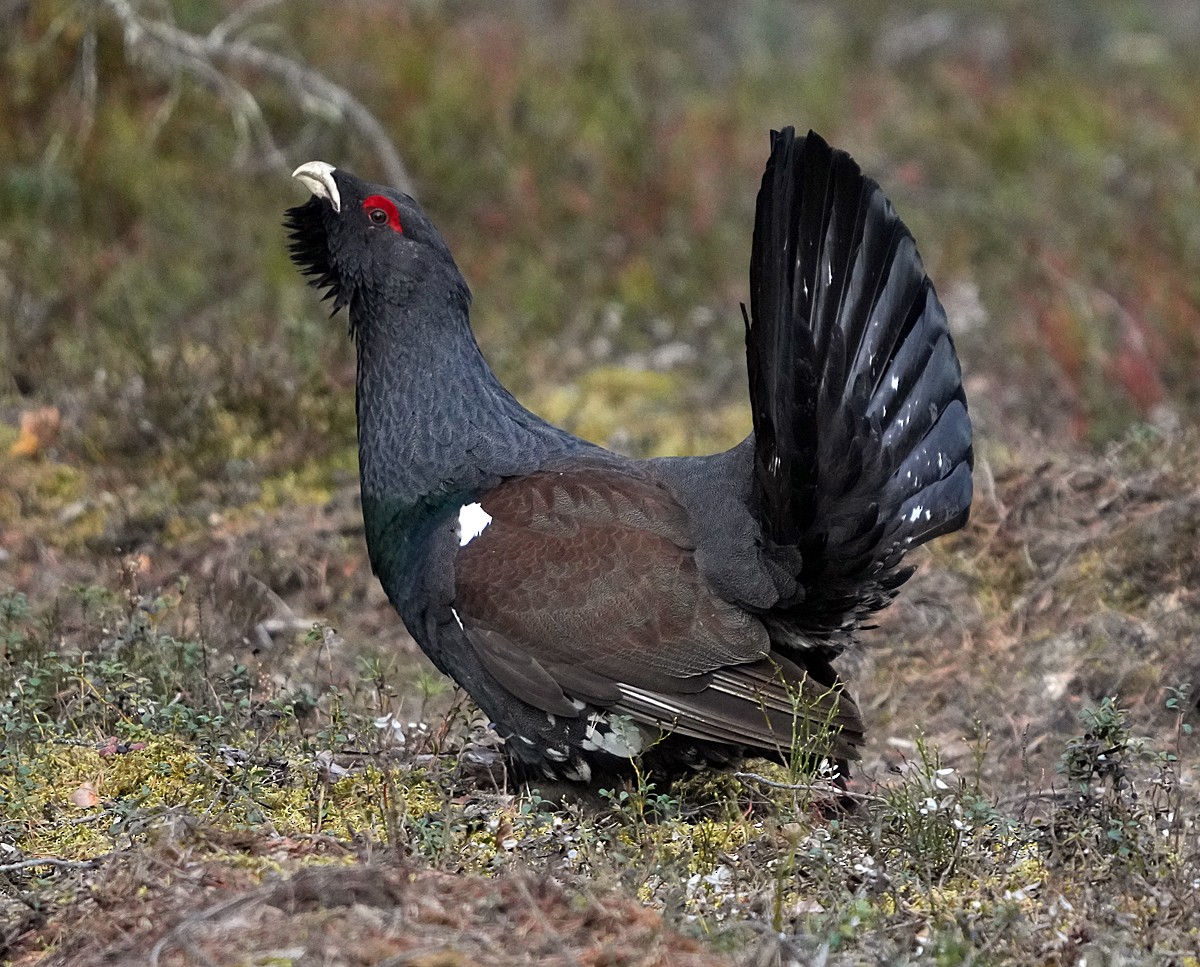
357, 240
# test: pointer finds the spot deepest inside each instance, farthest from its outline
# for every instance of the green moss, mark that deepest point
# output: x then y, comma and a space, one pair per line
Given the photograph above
312, 483
642, 412
171, 773
56, 500
292, 489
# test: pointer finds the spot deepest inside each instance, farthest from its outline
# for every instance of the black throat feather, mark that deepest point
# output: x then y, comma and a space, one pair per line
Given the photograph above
309, 250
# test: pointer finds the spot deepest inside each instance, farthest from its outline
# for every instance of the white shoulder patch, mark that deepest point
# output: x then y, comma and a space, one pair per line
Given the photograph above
472, 521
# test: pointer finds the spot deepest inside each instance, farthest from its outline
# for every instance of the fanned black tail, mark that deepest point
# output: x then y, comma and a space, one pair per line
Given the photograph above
862, 439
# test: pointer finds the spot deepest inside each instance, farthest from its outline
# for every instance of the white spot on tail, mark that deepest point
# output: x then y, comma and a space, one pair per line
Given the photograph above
895, 383
457, 618
472, 521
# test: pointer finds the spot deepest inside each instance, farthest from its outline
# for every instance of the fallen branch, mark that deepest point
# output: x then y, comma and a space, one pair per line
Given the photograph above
57, 863
822, 788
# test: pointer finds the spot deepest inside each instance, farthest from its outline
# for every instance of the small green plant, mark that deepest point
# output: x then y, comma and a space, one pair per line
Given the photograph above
1102, 753
927, 819
1180, 703
1119, 790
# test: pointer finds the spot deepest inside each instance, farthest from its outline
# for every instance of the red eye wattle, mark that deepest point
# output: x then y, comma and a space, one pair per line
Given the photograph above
383, 211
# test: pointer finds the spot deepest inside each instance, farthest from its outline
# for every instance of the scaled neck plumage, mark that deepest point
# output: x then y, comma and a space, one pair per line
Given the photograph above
432, 416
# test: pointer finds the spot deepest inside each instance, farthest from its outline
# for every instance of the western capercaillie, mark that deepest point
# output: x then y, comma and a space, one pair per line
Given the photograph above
686, 610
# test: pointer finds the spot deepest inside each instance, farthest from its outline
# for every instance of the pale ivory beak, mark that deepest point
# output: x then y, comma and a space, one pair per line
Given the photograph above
317, 177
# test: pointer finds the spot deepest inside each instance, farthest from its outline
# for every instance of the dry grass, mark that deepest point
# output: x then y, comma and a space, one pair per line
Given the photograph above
178, 906
1070, 585
220, 746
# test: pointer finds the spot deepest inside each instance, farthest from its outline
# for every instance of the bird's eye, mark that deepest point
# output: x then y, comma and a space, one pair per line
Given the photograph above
381, 210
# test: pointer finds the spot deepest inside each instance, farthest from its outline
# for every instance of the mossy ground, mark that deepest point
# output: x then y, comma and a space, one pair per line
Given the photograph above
220, 746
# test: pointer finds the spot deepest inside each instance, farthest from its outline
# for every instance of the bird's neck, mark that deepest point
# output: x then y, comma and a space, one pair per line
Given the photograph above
435, 427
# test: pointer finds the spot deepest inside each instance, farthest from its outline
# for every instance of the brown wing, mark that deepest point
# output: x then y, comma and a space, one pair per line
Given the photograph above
583, 588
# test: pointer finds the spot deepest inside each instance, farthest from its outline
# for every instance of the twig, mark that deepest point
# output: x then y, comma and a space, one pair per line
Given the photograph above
200, 56
428, 954
266, 630
178, 935
56, 863
89, 818
86, 78
239, 18
820, 787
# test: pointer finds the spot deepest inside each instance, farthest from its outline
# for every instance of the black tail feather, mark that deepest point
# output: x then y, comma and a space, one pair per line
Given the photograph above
863, 443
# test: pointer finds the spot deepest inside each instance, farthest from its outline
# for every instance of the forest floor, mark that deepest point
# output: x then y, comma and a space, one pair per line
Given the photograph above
220, 746
223, 749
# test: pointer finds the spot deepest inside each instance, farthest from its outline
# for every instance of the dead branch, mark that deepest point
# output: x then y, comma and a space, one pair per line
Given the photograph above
820, 788
58, 864
208, 58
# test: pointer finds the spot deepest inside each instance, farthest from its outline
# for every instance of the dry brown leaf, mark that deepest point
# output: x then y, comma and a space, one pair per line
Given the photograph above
85, 796
39, 430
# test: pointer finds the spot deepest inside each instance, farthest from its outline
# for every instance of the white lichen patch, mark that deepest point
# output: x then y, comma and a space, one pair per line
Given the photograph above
616, 735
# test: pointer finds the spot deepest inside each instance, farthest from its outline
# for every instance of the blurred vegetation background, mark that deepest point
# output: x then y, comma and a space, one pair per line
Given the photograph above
170, 389
594, 167
178, 478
